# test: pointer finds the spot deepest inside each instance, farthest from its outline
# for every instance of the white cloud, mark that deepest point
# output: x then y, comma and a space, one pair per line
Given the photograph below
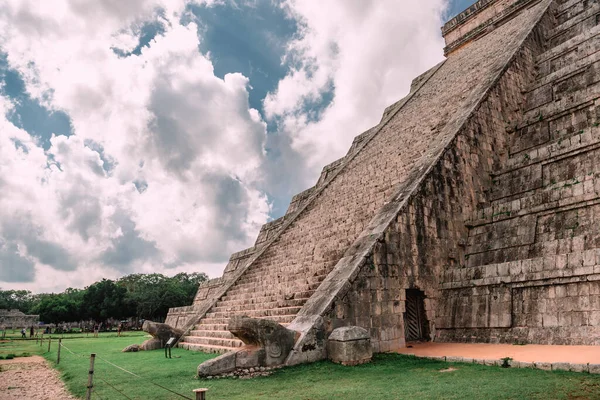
162, 168
367, 52
167, 167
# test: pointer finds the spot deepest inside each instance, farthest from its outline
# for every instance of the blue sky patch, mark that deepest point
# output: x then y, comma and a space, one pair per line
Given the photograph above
249, 39
148, 31
456, 7
28, 114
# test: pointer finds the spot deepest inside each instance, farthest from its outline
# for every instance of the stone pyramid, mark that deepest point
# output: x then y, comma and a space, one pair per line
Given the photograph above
471, 212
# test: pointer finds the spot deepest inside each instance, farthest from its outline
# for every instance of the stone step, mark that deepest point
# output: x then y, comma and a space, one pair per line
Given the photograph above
227, 307
572, 9
558, 143
205, 348
263, 272
583, 43
210, 327
279, 280
242, 298
553, 197
564, 265
545, 118
224, 334
573, 27
274, 290
573, 67
565, 83
211, 341
280, 319
569, 168
255, 313
558, 235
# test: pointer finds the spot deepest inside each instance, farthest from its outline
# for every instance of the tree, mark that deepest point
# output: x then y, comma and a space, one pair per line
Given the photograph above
105, 299
151, 295
61, 307
21, 300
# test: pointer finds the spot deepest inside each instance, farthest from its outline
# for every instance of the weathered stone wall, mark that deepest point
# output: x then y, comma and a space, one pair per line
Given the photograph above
479, 188
17, 319
418, 234
428, 237
478, 20
531, 272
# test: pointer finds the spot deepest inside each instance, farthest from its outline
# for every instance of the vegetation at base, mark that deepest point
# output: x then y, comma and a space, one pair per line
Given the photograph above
389, 376
147, 296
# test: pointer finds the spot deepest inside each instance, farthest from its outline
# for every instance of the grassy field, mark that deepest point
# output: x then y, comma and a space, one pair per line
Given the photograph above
389, 376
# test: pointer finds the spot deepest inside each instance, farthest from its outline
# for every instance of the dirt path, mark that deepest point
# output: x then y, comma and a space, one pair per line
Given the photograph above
527, 353
30, 378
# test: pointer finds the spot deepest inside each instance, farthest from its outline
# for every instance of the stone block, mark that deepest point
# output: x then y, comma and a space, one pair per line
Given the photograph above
349, 346
220, 365
579, 368
250, 357
561, 366
546, 366
594, 368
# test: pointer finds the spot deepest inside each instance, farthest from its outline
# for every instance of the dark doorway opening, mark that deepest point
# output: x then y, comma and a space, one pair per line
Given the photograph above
416, 326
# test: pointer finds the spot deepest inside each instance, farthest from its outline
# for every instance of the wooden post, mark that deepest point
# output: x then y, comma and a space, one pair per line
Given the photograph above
200, 393
58, 352
90, 377
49, 342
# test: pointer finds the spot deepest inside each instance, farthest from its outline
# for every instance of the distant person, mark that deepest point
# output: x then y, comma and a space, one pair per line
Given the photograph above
31, 332
119, 328
23, 334
96, 330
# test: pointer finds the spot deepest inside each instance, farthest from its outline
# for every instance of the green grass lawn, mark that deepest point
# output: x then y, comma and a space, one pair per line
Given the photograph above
389, 376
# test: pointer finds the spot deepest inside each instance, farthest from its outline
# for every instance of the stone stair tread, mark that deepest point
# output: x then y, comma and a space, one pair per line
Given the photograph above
590, 12
569, 44
564, 72
208, 348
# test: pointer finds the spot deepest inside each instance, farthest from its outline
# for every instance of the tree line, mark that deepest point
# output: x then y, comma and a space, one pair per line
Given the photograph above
141, 296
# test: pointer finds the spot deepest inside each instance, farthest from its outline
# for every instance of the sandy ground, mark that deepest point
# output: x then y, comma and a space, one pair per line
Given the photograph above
30, 378
526, 353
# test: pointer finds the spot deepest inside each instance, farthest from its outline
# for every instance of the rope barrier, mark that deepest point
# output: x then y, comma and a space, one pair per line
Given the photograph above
126, 371
71, 351
137, 376
114, 388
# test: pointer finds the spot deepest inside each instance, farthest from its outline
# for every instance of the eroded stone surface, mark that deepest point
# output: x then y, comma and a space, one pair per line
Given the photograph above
480, 189
349, 346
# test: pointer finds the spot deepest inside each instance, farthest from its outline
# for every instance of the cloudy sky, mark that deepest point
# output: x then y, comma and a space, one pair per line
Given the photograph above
159, 135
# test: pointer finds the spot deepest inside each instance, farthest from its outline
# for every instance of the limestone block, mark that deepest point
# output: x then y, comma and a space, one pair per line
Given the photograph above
546, 366
250, 357
151, 344
162, 332
561, 366
349, 346
220, 365
579, 368
594, 368
276, 340
132, 348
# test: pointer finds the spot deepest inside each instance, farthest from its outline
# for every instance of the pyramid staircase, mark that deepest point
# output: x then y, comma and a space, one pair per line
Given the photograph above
535, 227
258, 294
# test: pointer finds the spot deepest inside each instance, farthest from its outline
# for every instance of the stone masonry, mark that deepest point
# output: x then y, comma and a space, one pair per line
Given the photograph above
17, 319
466, 214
